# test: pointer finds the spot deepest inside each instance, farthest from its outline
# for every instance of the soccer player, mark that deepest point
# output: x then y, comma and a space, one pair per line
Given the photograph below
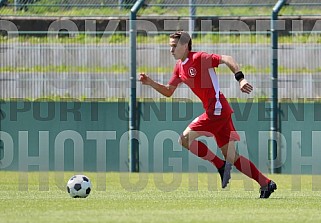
196, 70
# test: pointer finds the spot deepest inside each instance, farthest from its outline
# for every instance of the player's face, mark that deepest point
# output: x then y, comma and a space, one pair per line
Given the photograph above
179, 51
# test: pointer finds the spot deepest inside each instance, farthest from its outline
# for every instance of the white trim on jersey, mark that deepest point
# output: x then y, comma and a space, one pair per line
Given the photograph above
218, 105
185, 61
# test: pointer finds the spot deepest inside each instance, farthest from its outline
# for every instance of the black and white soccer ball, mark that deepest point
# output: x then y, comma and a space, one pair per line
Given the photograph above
79, 186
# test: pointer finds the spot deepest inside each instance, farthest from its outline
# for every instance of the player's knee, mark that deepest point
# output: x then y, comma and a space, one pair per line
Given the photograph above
183, 140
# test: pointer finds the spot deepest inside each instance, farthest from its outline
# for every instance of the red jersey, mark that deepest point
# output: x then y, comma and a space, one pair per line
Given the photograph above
197, 71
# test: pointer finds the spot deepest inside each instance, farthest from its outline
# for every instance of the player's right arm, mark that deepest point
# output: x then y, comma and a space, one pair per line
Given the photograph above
166, 90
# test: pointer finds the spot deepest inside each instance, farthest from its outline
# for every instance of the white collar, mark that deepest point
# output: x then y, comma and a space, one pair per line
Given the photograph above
185, 61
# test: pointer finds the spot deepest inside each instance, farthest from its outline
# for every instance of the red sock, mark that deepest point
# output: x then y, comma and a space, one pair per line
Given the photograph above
245, 166
201, 150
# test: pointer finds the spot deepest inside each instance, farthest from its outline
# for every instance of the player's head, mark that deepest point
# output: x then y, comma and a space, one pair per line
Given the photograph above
181, 44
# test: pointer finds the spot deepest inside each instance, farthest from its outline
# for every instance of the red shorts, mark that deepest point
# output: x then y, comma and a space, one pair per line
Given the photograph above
222, 128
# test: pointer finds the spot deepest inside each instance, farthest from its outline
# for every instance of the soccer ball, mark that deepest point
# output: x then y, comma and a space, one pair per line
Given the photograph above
79, 186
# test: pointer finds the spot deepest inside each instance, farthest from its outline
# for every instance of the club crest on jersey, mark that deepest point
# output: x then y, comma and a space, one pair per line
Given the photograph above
192, 72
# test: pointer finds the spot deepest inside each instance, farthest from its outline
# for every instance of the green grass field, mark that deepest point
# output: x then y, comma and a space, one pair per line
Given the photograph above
152, 201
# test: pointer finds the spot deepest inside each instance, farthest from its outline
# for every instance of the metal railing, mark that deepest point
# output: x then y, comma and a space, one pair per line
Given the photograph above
103, 8
93, 62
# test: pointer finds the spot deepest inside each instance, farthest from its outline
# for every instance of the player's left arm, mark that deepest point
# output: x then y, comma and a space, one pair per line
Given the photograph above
229, 61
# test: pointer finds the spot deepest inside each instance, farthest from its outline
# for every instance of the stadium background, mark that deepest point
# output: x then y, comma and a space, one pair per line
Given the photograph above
82, 67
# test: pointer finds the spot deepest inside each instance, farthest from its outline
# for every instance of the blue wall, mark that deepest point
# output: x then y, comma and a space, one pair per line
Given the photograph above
93, 136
